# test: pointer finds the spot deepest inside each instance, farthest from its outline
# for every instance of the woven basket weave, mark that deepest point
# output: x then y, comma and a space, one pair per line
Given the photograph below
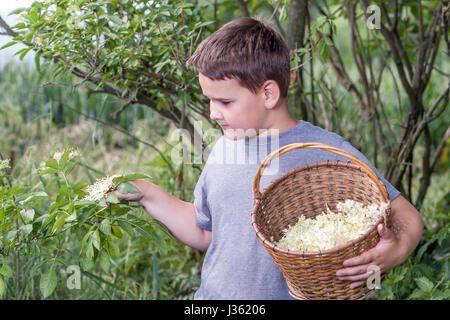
305, 191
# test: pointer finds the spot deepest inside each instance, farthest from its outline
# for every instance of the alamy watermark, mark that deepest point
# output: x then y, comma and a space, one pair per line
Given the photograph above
237, 147
74, 277
373, 21
374, 280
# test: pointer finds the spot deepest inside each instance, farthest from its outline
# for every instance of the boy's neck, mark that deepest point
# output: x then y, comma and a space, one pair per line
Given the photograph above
279, 119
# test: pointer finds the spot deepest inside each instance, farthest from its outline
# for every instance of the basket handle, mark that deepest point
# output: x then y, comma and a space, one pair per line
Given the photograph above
316, 145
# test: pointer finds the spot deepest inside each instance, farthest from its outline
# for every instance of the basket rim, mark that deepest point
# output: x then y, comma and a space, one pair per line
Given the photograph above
343, 247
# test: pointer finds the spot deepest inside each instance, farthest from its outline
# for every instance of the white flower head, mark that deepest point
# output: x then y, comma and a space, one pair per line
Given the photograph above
4, 164
73, 153
99, 189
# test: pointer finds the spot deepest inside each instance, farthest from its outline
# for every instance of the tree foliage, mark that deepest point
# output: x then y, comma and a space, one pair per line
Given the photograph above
136, 50
375, 72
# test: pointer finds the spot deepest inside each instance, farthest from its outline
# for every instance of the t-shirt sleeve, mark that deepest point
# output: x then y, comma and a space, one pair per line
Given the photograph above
203, 215
390, 189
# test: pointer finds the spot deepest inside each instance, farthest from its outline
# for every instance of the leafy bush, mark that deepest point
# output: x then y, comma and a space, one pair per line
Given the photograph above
426, 273
49, 227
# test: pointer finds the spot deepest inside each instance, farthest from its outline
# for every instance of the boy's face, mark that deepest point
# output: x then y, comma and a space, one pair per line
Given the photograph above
236, 109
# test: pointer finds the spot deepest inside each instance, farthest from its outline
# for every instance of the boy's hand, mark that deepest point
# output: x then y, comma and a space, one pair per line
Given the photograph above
386, 255
137, 196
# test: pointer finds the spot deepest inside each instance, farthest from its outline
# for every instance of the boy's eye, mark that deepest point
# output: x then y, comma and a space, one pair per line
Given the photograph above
225, 102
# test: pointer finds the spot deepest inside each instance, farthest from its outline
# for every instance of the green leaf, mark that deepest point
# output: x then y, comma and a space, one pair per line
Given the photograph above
105, 227
127, 187
442, 295
423, 248
26, 229
117, 232
52, 163
87, 263
11, 235
126, 227
112, 198
33, 197
96, 240
48, 282
129, 177
6, 271
45, 215
9, 44
446, 269
2, 287
63, 160
27, 215
104, 260
37, 61
25, 53
84, 241
17, 11
115, 19
48, 171
102, 280
417, 294
90, 251
104, 79
60, 220
69, 169
399, 274
113, 250
424, 284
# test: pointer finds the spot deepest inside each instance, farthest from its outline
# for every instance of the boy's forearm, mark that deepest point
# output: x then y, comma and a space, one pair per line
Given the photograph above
407, 224
177, 215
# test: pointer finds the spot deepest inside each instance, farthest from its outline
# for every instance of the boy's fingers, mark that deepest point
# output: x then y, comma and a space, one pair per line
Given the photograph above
356, 284
364, 258
357, 276
129, 196
352, 271
110, 179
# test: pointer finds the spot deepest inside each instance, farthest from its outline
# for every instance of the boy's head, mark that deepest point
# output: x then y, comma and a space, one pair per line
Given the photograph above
244, 69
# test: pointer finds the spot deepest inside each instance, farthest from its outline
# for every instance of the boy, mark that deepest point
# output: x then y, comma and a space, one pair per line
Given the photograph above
244, 70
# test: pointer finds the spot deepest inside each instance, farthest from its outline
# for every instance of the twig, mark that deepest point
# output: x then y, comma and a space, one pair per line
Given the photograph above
439, 149
131, 99
244, 8
8, 30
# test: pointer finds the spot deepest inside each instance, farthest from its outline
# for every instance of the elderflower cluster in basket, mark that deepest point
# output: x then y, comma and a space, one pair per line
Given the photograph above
330, 230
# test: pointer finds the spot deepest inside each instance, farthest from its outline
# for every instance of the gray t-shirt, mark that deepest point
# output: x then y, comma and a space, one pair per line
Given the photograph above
236, 265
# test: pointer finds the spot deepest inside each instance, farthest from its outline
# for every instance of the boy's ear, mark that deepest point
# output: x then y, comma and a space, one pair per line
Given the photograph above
271, 93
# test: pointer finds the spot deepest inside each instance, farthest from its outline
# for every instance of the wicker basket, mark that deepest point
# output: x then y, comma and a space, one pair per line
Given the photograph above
305, 191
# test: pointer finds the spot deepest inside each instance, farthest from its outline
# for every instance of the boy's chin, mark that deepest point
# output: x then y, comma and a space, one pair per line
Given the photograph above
238, 134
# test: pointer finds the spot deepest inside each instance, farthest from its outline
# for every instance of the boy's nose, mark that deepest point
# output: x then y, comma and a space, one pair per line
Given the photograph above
213, 113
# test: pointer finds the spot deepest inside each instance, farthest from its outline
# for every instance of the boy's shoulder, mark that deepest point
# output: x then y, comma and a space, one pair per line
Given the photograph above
224, 148
308, 132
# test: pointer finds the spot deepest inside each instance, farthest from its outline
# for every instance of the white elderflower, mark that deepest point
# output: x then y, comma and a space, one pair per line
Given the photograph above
99, 189
73, 153
330, 230
4, 164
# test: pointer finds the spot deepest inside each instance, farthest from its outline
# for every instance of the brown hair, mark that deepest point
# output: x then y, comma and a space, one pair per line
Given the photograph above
247, 50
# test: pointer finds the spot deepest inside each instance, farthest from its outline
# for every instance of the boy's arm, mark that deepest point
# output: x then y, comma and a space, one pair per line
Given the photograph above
395, 245
178, 216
